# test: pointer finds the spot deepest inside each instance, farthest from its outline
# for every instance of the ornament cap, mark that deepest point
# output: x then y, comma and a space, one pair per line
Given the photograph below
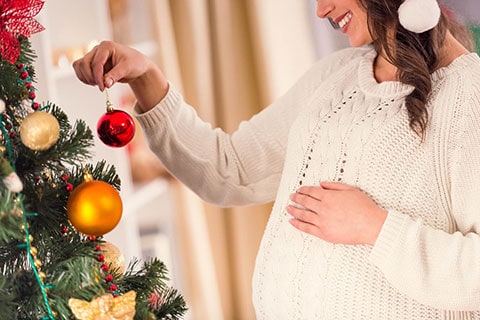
109, 107
87, 176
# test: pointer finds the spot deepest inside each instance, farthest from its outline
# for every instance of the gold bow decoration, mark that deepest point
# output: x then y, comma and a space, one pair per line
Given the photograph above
105, 307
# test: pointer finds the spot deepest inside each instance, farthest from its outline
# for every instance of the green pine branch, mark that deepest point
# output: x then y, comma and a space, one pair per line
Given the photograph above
8, 306
68, 258
12, 91
150, 281
10, 219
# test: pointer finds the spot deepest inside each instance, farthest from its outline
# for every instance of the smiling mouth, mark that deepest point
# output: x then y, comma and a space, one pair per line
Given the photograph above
346, 19
335, 25
342, 23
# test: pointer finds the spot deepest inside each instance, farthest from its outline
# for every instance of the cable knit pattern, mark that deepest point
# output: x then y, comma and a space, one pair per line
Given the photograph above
338, 124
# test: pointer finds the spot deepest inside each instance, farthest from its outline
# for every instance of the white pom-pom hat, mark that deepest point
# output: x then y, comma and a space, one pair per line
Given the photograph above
419, 15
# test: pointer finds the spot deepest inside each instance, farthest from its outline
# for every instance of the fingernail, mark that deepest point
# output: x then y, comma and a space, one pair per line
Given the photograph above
108, 82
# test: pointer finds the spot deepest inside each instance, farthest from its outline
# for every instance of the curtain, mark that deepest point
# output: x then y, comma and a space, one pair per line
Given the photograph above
230, 59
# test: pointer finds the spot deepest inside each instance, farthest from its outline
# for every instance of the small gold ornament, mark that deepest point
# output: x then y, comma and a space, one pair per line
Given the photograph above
113, 256
39, 130
30, 238
94, 207
38, 263
105, 307
42, 276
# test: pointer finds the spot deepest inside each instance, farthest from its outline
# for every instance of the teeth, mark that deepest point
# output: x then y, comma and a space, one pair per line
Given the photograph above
345, 20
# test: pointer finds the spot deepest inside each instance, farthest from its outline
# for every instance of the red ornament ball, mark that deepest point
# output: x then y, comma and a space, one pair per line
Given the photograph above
116, 128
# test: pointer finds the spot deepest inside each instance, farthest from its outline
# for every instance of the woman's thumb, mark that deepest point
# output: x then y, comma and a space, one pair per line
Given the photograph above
108, 80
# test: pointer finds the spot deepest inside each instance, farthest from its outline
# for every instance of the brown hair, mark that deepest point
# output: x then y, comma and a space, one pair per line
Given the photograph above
416, 55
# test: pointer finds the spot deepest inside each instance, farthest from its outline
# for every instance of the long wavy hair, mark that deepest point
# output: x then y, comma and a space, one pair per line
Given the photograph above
415, 55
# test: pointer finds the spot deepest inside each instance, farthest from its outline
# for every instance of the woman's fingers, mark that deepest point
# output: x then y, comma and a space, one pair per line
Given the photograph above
83, 72
92, 67
100, 64
305, 220
303, 214
337, 213
306, 201
328, 185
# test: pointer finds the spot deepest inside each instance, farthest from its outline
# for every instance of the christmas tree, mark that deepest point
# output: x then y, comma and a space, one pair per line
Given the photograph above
55, 206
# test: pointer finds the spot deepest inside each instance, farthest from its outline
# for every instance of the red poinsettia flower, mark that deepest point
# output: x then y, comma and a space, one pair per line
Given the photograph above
17, 20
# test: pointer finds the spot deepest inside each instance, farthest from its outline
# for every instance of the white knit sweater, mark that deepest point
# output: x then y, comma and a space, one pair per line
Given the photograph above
338, 124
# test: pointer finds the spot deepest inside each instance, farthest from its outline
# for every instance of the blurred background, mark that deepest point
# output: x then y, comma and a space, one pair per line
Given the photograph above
230, 59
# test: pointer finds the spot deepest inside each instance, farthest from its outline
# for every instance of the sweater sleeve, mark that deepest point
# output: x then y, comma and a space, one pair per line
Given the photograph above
239, 169
434, 267
242, 168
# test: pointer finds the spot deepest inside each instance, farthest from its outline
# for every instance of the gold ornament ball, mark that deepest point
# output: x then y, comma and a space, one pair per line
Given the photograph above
113, 256
94, 208
39, 130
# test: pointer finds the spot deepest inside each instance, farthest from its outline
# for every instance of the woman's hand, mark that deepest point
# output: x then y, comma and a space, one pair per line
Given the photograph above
336, 213
110, 62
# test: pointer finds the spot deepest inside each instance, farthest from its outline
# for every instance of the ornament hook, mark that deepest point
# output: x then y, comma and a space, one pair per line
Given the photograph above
108, 102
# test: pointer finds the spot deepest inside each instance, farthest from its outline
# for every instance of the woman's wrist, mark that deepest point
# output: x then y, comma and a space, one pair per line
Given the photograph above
149, 89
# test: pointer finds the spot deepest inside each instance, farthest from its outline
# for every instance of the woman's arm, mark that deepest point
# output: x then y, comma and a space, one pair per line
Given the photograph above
434, 267
110, 62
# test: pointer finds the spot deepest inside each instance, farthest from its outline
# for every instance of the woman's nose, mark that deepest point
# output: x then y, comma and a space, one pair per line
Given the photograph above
324, 7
